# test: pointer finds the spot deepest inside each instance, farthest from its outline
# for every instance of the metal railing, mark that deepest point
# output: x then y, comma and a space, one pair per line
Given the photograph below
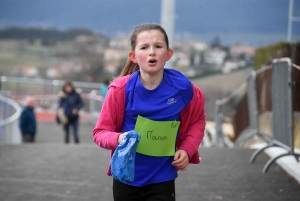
255, 107
49, 103
95, 105
45, 92
33, 86
10, 112
46, 97
283, 111
253, 112
224, 110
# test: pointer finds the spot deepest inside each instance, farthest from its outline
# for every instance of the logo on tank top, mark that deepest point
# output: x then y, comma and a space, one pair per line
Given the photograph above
171, 101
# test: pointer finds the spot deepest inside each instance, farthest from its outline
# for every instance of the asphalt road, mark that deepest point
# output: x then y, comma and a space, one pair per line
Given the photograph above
49, 170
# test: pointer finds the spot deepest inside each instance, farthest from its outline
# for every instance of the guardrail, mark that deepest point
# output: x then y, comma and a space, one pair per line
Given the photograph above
45, 93
283, 110
40, 88
249, 108
49, 102
33, 86
10, 112
253, 129
224, 111
96, 102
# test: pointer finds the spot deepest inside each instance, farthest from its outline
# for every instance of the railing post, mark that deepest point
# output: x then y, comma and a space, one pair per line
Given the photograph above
3, 83
219, 140
92, 108
54, 86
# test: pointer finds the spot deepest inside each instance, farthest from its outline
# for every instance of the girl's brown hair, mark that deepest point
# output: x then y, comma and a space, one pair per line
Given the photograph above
131, 67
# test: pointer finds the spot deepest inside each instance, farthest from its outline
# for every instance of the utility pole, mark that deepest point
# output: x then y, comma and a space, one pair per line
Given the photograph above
168, 21
291, 20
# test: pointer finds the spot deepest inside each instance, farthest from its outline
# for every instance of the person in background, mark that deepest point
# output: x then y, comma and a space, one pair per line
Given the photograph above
70, 102
27, 121
104, 88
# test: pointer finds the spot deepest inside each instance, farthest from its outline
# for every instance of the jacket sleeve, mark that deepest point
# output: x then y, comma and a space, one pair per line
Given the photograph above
79, 103
22, 122
194, 131
105, 133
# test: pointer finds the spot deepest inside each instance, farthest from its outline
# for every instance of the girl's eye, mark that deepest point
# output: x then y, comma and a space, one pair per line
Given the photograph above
143, 48
158, 46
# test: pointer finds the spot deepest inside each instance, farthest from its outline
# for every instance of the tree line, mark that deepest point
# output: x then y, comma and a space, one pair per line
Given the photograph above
42, 34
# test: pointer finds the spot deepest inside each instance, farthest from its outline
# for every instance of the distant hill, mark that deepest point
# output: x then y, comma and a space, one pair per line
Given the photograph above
43, 34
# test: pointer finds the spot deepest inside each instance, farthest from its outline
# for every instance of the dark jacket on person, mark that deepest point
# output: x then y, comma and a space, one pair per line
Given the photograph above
69, 102
27, 121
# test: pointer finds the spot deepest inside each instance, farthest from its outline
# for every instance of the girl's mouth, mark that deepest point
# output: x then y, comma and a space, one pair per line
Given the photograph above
152, 61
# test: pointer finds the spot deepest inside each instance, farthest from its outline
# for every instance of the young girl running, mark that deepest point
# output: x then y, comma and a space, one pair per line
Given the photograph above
163, 106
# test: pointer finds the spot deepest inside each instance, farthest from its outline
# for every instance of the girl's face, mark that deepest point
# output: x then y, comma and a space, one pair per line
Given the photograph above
151, 52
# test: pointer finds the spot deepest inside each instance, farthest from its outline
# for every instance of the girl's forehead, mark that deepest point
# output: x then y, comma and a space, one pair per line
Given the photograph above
151, 35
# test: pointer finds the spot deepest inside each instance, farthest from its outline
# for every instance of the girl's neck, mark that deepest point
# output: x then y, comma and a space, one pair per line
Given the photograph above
150, 82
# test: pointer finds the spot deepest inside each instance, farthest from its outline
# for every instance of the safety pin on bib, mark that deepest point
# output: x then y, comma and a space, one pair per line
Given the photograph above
174, 124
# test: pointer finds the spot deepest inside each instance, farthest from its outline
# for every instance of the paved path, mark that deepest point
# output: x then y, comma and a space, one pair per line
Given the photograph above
49, 170
50, 132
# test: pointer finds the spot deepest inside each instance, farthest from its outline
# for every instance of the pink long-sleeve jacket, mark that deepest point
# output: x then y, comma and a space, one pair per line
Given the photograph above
109, 124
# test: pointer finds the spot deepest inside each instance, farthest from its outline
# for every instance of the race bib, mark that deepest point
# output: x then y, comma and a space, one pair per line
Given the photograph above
157, 137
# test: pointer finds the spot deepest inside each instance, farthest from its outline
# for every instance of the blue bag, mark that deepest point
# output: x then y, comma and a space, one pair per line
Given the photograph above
123, 159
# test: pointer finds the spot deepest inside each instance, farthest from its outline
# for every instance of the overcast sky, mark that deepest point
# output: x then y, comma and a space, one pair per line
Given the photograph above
254, 22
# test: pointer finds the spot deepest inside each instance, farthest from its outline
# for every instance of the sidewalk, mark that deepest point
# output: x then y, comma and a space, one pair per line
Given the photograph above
50, 170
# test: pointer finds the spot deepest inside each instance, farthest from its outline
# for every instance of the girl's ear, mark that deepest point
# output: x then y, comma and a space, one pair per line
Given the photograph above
170, 54
131, 56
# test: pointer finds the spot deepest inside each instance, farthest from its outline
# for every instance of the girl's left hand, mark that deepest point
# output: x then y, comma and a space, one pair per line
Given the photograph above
181, 160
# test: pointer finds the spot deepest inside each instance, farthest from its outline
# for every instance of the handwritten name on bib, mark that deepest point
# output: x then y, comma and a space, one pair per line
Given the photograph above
157, 137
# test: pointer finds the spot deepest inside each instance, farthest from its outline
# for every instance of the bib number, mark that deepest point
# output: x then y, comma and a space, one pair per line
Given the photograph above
157, 137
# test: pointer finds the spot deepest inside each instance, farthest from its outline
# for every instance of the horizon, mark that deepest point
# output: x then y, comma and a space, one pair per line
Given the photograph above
178, 37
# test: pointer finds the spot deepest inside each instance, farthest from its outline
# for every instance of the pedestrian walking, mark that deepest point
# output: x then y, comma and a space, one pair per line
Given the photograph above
68, 113
160, 104
27, 121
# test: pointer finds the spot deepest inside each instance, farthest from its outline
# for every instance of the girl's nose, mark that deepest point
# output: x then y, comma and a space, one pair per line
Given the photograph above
151, 51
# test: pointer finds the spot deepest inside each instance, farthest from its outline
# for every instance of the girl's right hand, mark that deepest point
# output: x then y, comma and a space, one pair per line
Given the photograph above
121, 136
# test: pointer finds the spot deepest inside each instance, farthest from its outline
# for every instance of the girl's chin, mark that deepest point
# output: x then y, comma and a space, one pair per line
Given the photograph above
152, 70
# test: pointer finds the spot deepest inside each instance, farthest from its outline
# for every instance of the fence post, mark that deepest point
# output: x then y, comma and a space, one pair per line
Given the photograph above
92, 108
54, 86
282, 109
219, 140
3, 83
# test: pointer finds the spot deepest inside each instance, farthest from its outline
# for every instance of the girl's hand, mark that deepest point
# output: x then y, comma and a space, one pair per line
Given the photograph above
181, 160
121, 136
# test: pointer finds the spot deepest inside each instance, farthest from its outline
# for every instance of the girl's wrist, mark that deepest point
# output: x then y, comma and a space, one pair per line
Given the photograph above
121, 136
